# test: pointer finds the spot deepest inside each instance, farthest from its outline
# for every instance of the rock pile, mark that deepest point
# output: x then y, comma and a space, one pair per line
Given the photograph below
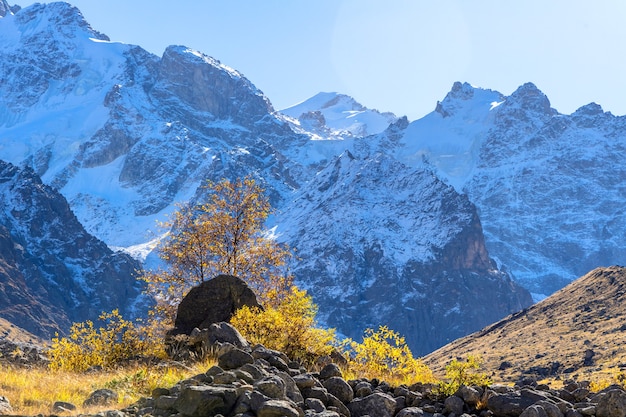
259, 382
256, 381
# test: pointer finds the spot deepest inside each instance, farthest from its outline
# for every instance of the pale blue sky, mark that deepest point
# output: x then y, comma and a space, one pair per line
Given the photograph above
396, 55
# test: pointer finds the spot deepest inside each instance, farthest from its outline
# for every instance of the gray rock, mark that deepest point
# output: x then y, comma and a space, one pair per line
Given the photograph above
291, 388
534, 411
316, 392
278, 408
509, 404
612, 404
376, 405
304, 381
244, 376
226, 377
254, 370
410, 412
336, 405
573, 413
325, 413
363, 389
273, 357
200, 401
454, 405
165, 402
339, 388
469, 394
315, 405
212, 301
223, 332
551, 409
61, 407
272, 386
234, 358
101, 397
330, 371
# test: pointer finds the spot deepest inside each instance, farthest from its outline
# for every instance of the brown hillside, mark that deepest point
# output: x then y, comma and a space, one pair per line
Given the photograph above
578, 331
13, 333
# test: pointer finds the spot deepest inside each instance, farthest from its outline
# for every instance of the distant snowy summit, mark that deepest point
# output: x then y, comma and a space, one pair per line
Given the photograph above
338, 116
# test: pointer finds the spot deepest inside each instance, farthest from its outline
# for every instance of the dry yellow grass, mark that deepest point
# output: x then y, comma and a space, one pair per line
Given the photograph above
33, 391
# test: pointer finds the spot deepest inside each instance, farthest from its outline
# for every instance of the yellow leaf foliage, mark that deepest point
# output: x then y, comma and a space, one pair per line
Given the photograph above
384, 354
466, 372
225, 235
87, 346
289, 327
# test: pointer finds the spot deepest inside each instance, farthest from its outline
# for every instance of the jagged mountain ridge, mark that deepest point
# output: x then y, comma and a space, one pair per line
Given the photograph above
125, 134
52, 272
549, 187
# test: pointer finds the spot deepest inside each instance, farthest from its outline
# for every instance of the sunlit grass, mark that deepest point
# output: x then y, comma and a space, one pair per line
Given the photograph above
33, 391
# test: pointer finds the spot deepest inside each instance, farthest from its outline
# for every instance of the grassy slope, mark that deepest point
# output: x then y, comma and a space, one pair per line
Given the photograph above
590, 313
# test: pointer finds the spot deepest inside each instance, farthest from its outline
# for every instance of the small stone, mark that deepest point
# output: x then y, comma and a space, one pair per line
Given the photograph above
612, 404
410, 412
271, 386
234, 358
376, 405
315, 405
277, 408
329, 371
454, 405
62, 407
339, 388
101, 397
165, 402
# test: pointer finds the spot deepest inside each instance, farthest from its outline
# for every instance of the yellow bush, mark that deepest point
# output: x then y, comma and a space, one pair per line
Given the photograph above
119, 340
288, 326
384, 354
460, 373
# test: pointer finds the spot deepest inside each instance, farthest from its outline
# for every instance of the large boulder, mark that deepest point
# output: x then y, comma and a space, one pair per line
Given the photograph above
211, 302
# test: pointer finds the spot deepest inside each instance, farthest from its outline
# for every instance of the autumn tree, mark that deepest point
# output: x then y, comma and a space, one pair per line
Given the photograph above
224, 235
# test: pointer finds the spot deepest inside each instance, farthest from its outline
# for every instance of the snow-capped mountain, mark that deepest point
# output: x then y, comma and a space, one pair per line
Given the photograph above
52, 272
124, 135
549, 187
392, 244
337, 116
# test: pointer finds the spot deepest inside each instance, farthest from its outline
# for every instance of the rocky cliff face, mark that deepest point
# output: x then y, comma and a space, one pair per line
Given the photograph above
52, 272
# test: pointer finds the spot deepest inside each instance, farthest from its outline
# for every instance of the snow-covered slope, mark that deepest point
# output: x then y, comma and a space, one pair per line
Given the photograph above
124, 135
337, 116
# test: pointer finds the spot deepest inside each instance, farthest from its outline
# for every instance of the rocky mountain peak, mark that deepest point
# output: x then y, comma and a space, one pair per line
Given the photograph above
5, 9
531, 99
203, 84
55, 18
341, 116
464, 97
